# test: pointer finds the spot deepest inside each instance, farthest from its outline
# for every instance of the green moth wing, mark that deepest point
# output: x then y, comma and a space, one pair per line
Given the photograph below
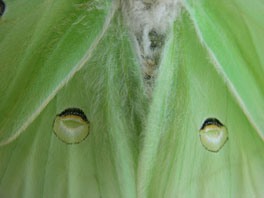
109, 90
43, 43
189, 90
232, 31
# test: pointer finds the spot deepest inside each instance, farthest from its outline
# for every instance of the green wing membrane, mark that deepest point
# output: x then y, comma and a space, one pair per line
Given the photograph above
41, 48
233, 32
108, 89
173, 162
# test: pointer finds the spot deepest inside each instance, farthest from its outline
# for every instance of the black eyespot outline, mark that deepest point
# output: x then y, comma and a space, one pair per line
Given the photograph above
74, 111
2, 7
211, 121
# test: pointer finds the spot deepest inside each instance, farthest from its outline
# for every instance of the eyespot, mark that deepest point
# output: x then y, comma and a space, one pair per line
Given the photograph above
213, 134
2, 8
71, 126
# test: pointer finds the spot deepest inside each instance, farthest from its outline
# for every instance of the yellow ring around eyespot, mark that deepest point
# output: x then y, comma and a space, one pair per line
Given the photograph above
210, 127
74, 117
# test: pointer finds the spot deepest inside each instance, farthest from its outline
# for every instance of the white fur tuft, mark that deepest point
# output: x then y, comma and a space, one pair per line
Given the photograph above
150, 22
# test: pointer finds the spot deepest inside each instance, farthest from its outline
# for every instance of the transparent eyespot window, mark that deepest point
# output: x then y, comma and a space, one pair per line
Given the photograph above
71, 126
213, 134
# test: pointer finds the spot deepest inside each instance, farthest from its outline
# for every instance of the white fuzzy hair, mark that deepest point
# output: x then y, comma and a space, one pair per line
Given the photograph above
146, 17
